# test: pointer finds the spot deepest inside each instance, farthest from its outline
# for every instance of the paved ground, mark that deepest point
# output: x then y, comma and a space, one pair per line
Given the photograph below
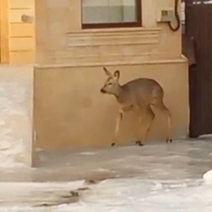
156, 177
179, 160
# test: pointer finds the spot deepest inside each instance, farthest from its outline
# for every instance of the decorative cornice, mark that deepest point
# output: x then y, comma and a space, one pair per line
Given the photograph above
103, 46
113, 37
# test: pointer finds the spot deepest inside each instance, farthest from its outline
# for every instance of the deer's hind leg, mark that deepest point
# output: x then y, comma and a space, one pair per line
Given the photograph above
145, 122
169, 127
162, 107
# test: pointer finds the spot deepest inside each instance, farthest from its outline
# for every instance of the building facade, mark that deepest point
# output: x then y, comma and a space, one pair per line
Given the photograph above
69, 41
17, 32
74, 40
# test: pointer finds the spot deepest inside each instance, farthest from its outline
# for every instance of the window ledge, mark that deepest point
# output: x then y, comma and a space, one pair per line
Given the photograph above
115, 36
124, 29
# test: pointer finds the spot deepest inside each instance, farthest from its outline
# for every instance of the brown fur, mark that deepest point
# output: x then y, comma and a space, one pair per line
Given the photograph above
140, 94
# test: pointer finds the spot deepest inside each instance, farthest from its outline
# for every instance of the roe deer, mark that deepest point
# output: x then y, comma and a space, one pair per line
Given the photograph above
139, 94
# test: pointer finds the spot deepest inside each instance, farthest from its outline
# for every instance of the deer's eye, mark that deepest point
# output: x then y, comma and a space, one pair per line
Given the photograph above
109, 84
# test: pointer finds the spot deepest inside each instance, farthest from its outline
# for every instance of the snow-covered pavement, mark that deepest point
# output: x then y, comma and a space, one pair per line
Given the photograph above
157, 177
115, 195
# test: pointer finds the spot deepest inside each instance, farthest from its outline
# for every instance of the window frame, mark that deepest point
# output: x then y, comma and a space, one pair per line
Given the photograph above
137, 23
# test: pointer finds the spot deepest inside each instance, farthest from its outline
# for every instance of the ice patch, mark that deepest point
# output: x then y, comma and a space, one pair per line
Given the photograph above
32, 194
87, 153
114, 195
106, 170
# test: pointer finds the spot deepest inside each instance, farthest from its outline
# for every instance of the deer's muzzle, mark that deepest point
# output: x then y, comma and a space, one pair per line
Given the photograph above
102, 90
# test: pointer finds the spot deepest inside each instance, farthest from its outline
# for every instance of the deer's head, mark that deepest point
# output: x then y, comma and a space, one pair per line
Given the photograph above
111, 85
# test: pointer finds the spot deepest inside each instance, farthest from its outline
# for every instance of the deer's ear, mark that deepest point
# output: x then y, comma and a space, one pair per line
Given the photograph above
107, 72
117, 74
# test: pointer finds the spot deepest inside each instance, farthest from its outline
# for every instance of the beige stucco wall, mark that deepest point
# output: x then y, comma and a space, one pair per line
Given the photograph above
17, 32
69, 110
60, 39
16, 111
21, 32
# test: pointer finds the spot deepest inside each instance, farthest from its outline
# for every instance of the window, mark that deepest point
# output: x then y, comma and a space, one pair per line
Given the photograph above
111, 13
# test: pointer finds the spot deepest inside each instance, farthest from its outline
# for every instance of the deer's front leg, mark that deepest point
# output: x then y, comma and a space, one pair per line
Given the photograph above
118, 120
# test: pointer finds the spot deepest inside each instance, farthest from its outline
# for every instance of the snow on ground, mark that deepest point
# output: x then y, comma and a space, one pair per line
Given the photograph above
202, 2
157, 177
208, 177
15, 194
146, 196
12, 113
115, 195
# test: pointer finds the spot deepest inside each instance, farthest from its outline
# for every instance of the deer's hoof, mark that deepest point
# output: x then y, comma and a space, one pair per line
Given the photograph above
168, 140
139, 143
113, 144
